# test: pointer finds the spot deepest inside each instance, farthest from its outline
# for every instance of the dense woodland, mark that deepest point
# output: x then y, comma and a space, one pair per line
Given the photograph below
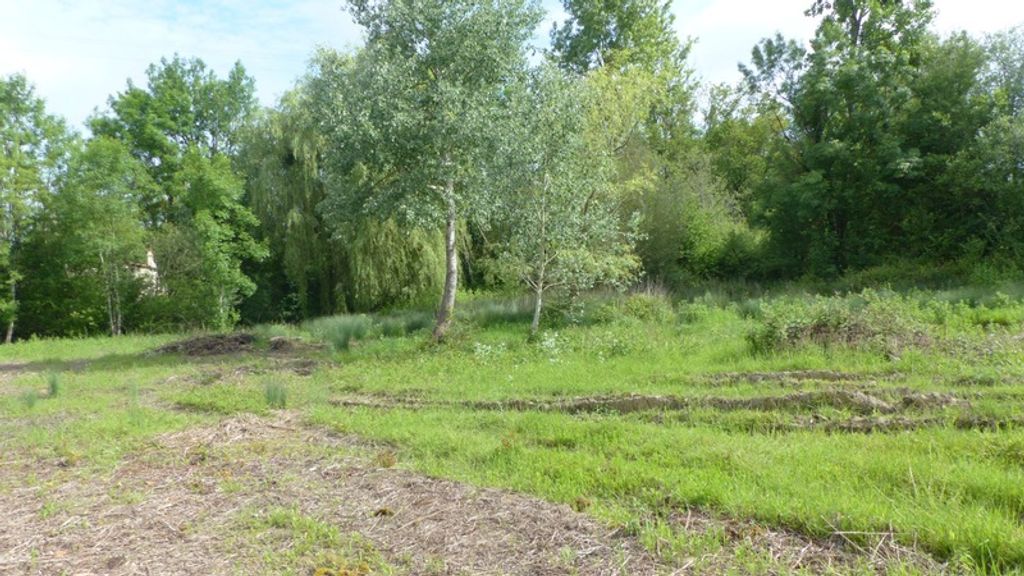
449, 154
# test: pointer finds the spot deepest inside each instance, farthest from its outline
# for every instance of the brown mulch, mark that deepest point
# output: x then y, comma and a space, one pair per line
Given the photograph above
167, 511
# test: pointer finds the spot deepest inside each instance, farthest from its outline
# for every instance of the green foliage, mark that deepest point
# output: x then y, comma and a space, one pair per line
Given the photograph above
417, 114
874, 139
52, 385
183, 128
281, 156
692, 228
868, 319
34, 146
881, 321
648, 306
87, 245
392, 266
620, 34
564, 226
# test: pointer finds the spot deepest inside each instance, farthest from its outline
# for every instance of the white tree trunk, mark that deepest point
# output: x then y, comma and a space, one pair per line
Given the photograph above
451, 276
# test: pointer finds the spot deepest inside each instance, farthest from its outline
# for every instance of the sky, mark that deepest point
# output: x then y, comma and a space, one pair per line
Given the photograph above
79, 52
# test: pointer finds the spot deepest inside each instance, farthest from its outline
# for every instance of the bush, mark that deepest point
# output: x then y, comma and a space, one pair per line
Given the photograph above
643, 306
883, 321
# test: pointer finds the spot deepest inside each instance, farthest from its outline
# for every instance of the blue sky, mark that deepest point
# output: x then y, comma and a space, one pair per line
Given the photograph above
79, 52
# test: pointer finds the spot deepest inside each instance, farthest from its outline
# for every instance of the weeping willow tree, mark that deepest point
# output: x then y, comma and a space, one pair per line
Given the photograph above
390, 265
281, 157
316, 269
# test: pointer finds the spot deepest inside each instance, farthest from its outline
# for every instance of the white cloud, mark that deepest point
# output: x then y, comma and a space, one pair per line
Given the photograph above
80, 52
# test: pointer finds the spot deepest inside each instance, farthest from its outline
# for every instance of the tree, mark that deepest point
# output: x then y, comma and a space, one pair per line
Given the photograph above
1005, 74
34, 145
185, 128
282, 157
320, 266
86, 242
414, 119
563, 220
618, 32
841, 201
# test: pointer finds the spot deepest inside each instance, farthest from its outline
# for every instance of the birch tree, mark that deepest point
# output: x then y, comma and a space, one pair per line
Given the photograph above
564, 221
414, 115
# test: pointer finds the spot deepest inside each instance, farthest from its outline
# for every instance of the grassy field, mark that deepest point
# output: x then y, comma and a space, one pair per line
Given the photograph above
867, 433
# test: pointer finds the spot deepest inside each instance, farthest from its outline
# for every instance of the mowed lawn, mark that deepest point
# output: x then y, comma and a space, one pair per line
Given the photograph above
640, 417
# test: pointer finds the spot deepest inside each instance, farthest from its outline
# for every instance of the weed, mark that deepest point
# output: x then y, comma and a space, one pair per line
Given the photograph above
52, 385
29, 398
276, 395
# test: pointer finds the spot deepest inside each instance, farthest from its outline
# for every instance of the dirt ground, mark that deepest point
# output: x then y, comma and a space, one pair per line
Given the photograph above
168, 512
181, 508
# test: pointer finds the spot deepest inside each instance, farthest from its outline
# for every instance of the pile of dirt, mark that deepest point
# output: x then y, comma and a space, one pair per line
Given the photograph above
787, 375
932, 401
286, 345
851, 400
214, 345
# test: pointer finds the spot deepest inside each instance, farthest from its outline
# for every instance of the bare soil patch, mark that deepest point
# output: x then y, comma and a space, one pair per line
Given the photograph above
181, 508
169, 512
852, 400
215, 345
792, 376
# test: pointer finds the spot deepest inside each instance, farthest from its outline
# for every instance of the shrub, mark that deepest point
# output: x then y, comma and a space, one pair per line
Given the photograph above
869, 319
53, 385
642, 306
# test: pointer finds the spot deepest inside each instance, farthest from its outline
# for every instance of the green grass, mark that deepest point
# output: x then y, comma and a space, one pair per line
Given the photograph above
296, 543
955, 490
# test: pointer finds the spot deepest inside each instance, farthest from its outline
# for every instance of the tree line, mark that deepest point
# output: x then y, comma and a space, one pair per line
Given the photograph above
448, 153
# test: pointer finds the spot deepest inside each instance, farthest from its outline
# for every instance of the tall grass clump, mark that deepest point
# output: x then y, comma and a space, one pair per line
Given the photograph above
339, 331
53, 385
400, 324
488, 313
29, 398
276, 395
